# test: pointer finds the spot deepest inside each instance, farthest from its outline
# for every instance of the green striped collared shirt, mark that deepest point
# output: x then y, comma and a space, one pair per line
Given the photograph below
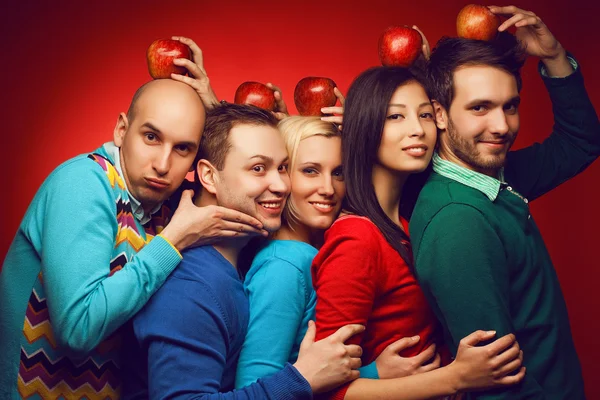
485, 184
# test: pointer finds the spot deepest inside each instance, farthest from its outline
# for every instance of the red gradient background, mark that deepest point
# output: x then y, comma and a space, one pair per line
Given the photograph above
69, 68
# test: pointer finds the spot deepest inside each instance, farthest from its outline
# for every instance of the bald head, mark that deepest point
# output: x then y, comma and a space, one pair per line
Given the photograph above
161, 87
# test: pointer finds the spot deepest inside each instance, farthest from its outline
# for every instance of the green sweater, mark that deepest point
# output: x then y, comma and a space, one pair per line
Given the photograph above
481, 260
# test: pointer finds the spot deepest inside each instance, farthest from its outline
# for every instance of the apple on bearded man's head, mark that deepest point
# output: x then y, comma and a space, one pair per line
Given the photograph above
477, 22
400, 46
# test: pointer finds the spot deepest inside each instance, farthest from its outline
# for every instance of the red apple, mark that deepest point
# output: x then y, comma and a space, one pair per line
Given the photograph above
313, 93
477, 22
160, 56
399, 46
255, 93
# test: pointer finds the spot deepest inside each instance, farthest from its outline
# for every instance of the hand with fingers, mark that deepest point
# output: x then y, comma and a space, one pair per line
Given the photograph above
531, 32
391, 365
425, 49
537, 39
335, 113
489, 366
281, 110
329, 362
198, 78
193, 226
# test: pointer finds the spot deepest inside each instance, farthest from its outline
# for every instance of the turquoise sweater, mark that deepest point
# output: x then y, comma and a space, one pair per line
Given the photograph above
79, 267
481, 260
282, 301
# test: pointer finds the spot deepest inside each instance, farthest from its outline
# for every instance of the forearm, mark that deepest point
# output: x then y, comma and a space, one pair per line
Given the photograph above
276, 295
440, 382
286, 384
574, 113
76, 231
93, 307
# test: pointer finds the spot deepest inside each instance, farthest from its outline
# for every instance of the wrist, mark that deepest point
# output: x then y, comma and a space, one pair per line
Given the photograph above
299, 367
559, 54
557, 65
455, 379
171, 235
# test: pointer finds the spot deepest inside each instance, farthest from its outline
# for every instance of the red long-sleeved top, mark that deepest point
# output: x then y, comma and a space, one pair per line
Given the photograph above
360, 279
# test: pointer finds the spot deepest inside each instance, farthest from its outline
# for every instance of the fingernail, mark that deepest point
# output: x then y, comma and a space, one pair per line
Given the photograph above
491, 332
416, 337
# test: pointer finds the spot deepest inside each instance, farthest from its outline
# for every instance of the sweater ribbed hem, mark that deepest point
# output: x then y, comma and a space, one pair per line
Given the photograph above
160, 254
288, 384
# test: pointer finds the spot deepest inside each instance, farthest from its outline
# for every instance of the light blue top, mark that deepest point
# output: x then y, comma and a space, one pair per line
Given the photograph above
282, 301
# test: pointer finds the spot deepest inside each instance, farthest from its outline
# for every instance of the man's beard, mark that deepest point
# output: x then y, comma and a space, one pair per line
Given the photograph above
470, 155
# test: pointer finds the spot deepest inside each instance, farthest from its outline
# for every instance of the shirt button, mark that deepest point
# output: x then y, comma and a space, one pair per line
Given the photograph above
526, 201
529, 216
509, 189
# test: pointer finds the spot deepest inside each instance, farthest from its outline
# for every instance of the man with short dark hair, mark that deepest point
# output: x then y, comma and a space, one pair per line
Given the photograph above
478, 253
188, 337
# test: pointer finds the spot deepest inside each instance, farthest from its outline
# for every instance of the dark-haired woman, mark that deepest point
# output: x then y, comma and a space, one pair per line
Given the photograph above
363, 272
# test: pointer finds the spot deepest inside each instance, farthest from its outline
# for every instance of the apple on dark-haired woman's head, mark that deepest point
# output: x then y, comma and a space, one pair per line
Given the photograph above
399, 46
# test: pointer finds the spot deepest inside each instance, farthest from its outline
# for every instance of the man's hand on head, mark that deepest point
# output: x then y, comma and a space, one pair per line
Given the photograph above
198, 78
537, 39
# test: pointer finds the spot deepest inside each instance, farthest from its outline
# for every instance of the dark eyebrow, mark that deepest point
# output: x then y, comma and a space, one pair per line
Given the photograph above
482, 102
262, 157
404, 105
191, 145
267, 159
515, 100
151, 127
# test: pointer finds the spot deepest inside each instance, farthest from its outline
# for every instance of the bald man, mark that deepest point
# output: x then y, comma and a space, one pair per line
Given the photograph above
91, 249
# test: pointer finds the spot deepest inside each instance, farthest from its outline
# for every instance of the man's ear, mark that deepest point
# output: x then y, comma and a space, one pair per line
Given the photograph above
120, 129
208, 176
441, 116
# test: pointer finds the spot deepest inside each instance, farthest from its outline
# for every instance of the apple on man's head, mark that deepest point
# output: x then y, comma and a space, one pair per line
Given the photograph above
160, 56
255, 93
399, 46
313, 93
477, 22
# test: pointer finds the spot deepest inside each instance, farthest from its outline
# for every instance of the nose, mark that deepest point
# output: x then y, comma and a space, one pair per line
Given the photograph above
498, 123
280, 184
162, 162
326, 187
416, 128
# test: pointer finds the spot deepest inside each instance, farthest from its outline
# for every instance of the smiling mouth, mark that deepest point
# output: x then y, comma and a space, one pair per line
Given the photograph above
271, 207
323, 207
271, 204
493, 143
416, 151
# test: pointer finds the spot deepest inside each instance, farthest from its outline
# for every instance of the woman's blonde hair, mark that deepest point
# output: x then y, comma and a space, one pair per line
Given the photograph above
293, 130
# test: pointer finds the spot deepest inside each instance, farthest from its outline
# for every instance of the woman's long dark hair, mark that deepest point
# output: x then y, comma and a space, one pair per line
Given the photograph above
365, 114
